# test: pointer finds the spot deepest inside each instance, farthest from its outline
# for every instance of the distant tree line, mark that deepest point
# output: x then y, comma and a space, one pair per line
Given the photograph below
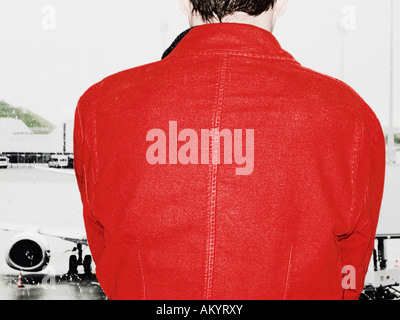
34, 122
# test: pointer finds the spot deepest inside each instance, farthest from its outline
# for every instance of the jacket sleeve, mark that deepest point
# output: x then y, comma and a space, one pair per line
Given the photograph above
84, 166
357, 246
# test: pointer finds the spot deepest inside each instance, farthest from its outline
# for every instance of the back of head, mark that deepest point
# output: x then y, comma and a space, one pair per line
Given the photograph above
260, 13
210, 9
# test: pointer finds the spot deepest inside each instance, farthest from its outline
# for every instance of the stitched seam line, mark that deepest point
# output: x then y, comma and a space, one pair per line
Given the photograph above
96, 156
367, 207
356, 195
213, 183
237, 53
355, 174
287, 274
142, 271
82, 142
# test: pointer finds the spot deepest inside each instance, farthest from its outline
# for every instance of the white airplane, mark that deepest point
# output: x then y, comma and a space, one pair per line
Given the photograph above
29, 250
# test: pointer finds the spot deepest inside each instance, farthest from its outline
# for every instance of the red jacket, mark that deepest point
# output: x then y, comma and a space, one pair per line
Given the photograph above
160, 228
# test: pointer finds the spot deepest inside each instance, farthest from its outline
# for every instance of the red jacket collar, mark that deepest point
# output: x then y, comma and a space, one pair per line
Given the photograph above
232, 39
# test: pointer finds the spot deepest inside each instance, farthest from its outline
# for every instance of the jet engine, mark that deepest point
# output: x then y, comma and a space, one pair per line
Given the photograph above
28, 252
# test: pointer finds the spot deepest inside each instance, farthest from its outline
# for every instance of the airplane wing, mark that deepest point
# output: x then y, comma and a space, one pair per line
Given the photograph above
75, 236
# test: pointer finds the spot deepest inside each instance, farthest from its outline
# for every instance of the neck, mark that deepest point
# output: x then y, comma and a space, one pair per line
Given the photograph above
264, 20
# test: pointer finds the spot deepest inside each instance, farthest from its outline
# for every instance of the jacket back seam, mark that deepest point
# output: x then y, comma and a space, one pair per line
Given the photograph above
213, 170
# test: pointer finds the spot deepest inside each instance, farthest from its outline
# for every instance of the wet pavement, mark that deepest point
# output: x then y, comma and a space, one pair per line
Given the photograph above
43, 287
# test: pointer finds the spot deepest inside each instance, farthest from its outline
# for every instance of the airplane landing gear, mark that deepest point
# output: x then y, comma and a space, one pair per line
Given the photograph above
75, 261
87, 265
384, 285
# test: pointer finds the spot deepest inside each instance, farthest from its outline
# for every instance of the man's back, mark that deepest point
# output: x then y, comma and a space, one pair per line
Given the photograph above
289, 209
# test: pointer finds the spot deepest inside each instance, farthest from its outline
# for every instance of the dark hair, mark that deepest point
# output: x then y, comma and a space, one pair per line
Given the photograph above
209, 9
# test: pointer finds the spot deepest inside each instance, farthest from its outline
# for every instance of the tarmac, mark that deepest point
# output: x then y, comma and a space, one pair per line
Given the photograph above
43, 287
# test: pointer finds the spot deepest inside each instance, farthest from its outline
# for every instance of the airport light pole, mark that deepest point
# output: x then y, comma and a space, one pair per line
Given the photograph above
64, 138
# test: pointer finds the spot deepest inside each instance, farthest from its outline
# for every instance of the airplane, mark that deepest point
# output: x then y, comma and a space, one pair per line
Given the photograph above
29, 250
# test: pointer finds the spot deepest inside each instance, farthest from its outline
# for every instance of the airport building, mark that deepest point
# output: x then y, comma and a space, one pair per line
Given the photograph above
21, 145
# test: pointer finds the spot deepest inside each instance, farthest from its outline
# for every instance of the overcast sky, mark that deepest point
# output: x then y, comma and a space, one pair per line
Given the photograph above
52, 51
